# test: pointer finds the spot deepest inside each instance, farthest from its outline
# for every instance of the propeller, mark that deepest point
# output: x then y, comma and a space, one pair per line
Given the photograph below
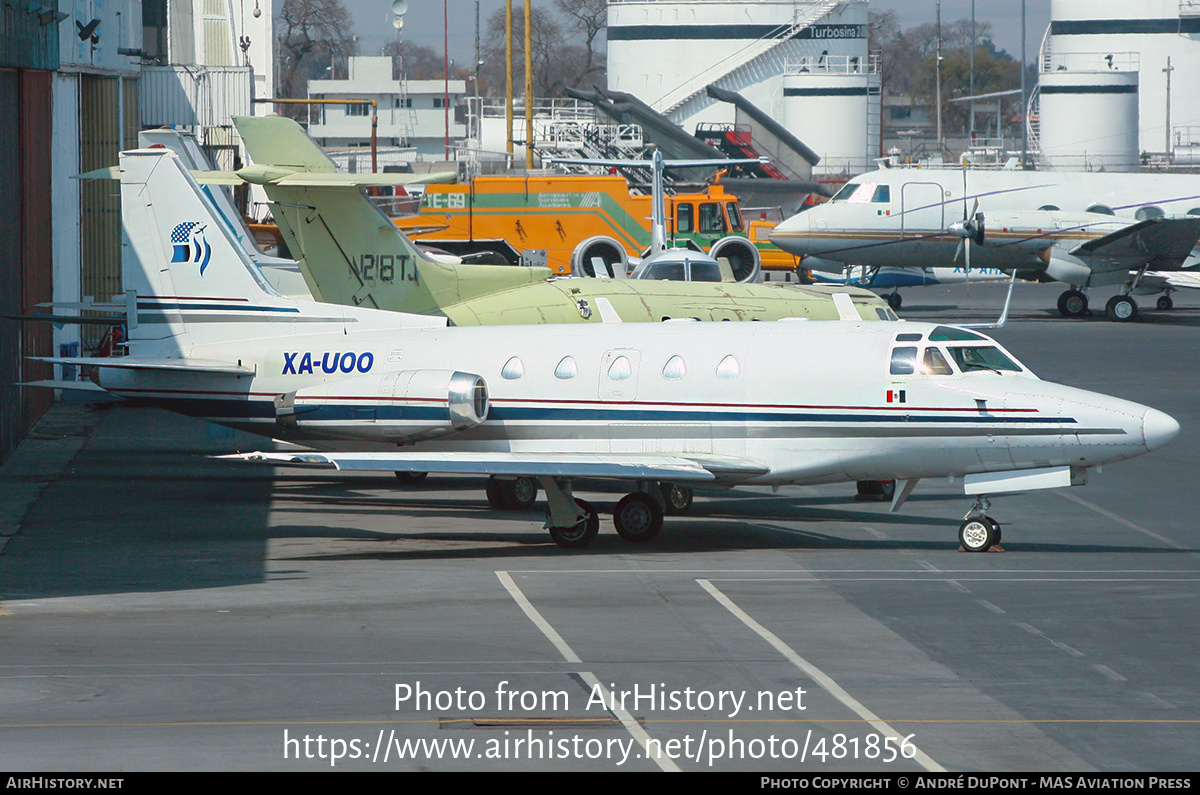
969, 230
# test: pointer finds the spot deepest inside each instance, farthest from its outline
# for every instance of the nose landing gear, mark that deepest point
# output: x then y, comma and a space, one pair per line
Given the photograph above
980, 532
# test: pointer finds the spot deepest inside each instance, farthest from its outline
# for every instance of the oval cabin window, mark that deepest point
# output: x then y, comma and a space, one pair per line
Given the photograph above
567, 369
674, 369
512, 370
728, 368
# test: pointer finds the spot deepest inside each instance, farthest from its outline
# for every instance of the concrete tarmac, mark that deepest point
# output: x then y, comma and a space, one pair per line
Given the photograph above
160, 610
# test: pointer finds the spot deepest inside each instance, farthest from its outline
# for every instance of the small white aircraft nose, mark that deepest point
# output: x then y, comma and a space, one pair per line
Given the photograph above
1158, 428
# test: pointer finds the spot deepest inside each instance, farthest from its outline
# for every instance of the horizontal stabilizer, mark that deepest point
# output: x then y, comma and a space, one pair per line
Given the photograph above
78, 386
64, 320
293, 178
89, 306
296, 179
629, 467
1161, 243
140, 363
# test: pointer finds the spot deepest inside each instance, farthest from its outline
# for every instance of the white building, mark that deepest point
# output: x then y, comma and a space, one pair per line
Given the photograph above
412, 113
805, 64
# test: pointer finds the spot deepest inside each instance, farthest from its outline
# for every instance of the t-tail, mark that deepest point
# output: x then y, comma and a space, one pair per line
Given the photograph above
180, 260
350, 252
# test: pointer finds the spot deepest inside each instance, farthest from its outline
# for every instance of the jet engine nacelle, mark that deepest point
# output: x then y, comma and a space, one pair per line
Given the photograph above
401, 406
1066, 268
610, 252
742, 256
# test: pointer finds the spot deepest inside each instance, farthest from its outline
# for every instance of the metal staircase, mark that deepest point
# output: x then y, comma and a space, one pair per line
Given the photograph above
1033, 123
755, 61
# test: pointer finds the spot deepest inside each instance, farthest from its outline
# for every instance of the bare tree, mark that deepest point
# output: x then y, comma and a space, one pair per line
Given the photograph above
312, 35
586, 20
558, 61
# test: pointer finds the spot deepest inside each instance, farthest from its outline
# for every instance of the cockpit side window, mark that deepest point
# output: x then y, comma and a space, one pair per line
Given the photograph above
935, 364
883, 194
904, 361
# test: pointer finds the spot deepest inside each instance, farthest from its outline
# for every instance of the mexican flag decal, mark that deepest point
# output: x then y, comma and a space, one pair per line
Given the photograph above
895, 396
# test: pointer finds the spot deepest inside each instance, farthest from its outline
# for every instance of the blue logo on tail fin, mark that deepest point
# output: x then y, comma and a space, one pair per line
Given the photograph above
190, 245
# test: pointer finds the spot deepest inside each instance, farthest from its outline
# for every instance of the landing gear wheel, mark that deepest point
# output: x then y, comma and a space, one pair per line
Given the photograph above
1165, 302
638, 517
894, 300
977, 534
511, 495
582, 533
1121, 309
678, 499
495, 493
411, 478
996, 527
1072, 303
521, 493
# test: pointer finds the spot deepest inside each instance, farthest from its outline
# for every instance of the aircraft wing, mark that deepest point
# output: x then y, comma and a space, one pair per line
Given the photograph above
593, 465
1160, 243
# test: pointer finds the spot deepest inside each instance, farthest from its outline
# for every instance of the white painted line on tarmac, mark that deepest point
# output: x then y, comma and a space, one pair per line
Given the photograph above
818, 676
628, 721
1118, 518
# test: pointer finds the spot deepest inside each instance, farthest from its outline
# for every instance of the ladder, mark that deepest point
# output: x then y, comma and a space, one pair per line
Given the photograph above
755, 61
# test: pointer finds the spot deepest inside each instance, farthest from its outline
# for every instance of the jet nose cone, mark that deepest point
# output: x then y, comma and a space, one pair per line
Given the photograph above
1158, 428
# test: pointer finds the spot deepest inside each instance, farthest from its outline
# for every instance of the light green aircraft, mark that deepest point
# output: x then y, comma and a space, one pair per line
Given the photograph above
350, 253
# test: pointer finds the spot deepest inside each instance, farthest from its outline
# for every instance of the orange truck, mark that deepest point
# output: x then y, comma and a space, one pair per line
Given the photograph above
564, 221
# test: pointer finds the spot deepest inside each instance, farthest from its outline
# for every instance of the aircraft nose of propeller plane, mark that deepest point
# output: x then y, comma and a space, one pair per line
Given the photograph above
1158, 428
786, 234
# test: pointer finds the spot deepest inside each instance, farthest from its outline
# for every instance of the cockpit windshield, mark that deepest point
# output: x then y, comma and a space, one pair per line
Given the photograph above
845, 193
982, 357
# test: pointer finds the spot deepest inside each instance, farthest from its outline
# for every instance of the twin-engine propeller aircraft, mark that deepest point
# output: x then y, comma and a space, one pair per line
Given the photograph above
352, 254
681, 402
1083, 229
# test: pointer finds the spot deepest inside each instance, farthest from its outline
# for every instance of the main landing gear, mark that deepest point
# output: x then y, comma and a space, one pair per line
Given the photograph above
980, 532
511, 494
1119, 309
638, 517
1073, 303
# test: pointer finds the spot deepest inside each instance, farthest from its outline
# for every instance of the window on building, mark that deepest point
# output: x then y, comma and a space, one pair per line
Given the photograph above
358, 110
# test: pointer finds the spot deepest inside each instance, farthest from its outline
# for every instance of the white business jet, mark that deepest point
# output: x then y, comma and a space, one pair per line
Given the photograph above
1083, 229
676, 402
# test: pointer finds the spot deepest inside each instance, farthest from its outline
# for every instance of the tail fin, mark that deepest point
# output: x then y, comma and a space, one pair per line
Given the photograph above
350, 252
178, 254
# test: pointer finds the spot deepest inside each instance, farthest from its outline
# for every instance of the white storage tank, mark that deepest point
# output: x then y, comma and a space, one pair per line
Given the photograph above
1089, 120
835, 112
1150, 31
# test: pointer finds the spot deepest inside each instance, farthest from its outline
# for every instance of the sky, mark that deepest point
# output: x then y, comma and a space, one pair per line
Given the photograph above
423, 21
